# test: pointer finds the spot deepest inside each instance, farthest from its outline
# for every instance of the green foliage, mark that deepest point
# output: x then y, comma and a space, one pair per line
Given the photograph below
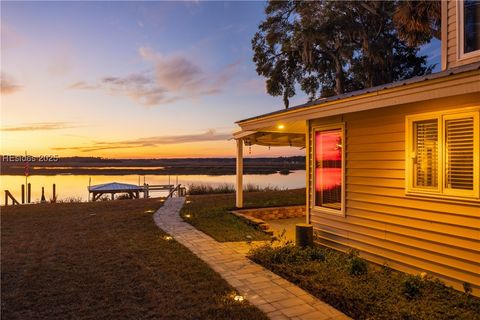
411, 286
381, 293
467, 287
331, 47
356, 265
289, 254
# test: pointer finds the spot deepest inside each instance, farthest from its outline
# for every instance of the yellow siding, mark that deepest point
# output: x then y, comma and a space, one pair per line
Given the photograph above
452, 37
412, 234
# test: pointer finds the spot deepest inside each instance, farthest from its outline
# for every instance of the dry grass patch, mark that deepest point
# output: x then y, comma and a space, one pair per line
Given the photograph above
105, 260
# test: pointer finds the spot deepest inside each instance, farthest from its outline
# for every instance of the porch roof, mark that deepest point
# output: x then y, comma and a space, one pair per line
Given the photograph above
263, 129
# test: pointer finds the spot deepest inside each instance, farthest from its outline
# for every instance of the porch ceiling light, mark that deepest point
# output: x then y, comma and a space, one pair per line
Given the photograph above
281, 126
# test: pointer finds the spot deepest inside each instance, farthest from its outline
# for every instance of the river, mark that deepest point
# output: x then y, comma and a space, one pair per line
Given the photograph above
75, 186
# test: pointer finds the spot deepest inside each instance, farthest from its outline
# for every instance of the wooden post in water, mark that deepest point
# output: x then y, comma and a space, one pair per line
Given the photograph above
29, 193
42, 199
23, 193
54, 197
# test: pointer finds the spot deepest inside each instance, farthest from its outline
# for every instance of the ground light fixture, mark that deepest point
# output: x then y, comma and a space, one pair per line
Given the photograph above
168, 238
188, 216
149, 211
238, 298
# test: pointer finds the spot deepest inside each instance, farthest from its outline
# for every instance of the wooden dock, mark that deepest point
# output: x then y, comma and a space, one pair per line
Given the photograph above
133, 191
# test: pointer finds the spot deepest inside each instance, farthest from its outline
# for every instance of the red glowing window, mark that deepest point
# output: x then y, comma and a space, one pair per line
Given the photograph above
328, 169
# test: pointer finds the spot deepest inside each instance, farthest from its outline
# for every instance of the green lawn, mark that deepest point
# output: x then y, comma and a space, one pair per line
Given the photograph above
105, 260
364, 290
211, 213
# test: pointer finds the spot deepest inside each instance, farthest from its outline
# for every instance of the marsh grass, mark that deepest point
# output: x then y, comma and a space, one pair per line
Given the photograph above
203, 188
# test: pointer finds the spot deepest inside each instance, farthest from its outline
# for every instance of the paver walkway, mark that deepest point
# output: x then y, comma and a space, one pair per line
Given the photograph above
277, 297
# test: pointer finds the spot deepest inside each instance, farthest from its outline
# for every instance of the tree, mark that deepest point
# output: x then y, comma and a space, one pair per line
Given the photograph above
331, 47
274, 54
418, 21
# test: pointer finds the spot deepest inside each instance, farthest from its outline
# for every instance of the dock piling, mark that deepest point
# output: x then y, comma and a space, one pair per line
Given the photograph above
29, 193
23, 193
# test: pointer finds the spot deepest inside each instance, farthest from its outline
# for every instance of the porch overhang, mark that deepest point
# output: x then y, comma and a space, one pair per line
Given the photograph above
453, 82
271, 139
282, 134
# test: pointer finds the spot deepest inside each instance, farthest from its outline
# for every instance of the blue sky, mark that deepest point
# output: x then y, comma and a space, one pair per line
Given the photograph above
149, 79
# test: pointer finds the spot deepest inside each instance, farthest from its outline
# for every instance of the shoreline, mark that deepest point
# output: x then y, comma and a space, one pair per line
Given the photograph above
164, 172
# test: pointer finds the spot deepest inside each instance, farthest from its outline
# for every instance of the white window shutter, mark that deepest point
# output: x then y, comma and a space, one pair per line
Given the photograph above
426, 153
459, 153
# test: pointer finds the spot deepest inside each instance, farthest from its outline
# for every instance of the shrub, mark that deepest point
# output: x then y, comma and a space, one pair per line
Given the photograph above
288, 254
356, 265
411, 286
381, 293
467, 287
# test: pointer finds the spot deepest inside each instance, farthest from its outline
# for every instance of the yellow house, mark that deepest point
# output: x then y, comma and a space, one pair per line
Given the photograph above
394, 171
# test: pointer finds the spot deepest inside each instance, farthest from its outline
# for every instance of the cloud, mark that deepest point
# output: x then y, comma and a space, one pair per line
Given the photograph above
82, 85
11, 38
61, 62
40, 126
210, 135
8, 85
170, 78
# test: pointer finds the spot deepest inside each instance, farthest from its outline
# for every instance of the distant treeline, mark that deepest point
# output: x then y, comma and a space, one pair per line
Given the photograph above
105, 166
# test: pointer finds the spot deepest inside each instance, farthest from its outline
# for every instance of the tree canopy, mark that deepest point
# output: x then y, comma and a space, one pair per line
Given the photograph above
332, 47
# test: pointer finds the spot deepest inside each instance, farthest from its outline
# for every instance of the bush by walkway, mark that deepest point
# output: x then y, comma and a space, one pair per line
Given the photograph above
363, 290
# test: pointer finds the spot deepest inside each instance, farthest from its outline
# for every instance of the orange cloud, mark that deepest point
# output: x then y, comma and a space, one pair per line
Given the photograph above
8, 85
210, 135
170, 79
40, 126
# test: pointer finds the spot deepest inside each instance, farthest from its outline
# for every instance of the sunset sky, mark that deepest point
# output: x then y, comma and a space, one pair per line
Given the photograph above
124, 79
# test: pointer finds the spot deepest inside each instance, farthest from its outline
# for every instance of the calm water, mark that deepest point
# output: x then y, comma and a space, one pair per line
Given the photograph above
76, 185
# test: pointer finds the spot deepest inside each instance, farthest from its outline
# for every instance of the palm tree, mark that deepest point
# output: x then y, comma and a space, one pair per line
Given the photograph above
418, 21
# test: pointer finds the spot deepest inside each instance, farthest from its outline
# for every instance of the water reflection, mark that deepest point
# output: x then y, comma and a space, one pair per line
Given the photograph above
76, 185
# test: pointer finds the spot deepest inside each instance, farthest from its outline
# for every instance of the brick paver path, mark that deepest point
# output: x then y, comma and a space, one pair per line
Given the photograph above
275, 296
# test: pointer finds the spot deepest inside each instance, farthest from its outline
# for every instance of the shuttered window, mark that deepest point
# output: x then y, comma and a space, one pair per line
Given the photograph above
444, 154
459, 147
426, 153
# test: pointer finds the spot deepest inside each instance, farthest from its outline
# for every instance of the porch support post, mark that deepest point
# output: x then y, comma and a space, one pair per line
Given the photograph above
239, 189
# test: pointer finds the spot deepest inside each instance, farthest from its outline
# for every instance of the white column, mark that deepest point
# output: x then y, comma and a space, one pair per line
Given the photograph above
239, 193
